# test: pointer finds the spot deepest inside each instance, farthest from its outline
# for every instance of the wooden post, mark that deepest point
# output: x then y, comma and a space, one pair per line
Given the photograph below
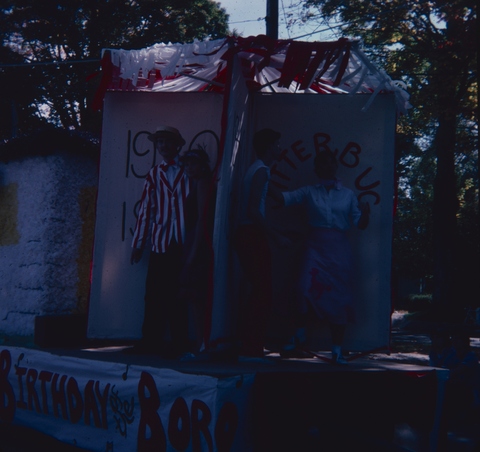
272, 19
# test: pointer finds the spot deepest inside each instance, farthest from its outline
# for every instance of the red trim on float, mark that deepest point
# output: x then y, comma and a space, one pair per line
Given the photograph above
107, 76
304, 62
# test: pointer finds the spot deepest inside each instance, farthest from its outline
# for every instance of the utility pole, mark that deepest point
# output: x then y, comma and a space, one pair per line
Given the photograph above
271, 19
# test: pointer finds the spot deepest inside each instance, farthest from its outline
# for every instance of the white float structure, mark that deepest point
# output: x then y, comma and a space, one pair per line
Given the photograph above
218, 93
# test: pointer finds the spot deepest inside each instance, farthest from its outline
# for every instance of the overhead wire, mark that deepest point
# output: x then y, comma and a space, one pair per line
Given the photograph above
246, 21
49, 63
316, 31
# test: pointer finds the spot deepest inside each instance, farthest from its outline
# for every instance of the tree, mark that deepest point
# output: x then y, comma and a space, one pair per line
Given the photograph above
431, 46
61, 41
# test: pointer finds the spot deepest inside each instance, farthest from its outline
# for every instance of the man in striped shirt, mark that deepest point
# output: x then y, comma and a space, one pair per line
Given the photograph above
161, 220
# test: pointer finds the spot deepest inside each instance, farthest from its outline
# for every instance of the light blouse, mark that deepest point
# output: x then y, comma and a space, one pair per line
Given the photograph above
336, 208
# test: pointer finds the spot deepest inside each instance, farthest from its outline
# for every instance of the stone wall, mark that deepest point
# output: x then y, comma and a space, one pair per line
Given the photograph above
47, 216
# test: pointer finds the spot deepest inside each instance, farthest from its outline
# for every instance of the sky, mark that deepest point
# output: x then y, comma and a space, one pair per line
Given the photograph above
248, 18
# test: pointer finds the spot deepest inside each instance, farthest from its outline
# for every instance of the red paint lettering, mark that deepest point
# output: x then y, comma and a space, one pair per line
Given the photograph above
274, 172
226, 427
278, 184
353, 150
370, 193
32, 396
298, 151
44, 377
75, 401
151, 435
58, 396
67, 400
179, 425
20, 371
201, 418
91, 405
320, 141
358, 180
183, 425
284, 158
7, 396
102, 398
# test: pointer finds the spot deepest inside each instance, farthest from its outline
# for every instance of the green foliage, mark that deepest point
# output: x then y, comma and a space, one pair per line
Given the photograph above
67, 32
413, 224
432, 47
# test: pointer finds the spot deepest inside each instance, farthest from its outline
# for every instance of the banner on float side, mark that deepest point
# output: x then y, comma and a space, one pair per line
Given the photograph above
102, 406
117, 291
363, 140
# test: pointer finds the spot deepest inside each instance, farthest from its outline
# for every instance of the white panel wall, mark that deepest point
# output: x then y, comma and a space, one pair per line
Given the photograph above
364, 142
117, 294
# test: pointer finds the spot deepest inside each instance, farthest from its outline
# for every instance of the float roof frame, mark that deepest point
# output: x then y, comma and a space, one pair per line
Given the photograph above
275, 66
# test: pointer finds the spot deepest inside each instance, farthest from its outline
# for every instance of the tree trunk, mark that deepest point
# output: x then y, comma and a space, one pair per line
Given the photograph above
445, 205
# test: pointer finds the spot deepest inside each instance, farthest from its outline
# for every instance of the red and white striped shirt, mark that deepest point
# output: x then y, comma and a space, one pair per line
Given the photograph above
161, 216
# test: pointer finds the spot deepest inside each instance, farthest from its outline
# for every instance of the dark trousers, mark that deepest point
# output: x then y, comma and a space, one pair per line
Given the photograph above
165, 312
254, 254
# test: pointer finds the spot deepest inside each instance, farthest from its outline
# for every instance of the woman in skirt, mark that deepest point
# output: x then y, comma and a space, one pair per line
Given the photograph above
326, 271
